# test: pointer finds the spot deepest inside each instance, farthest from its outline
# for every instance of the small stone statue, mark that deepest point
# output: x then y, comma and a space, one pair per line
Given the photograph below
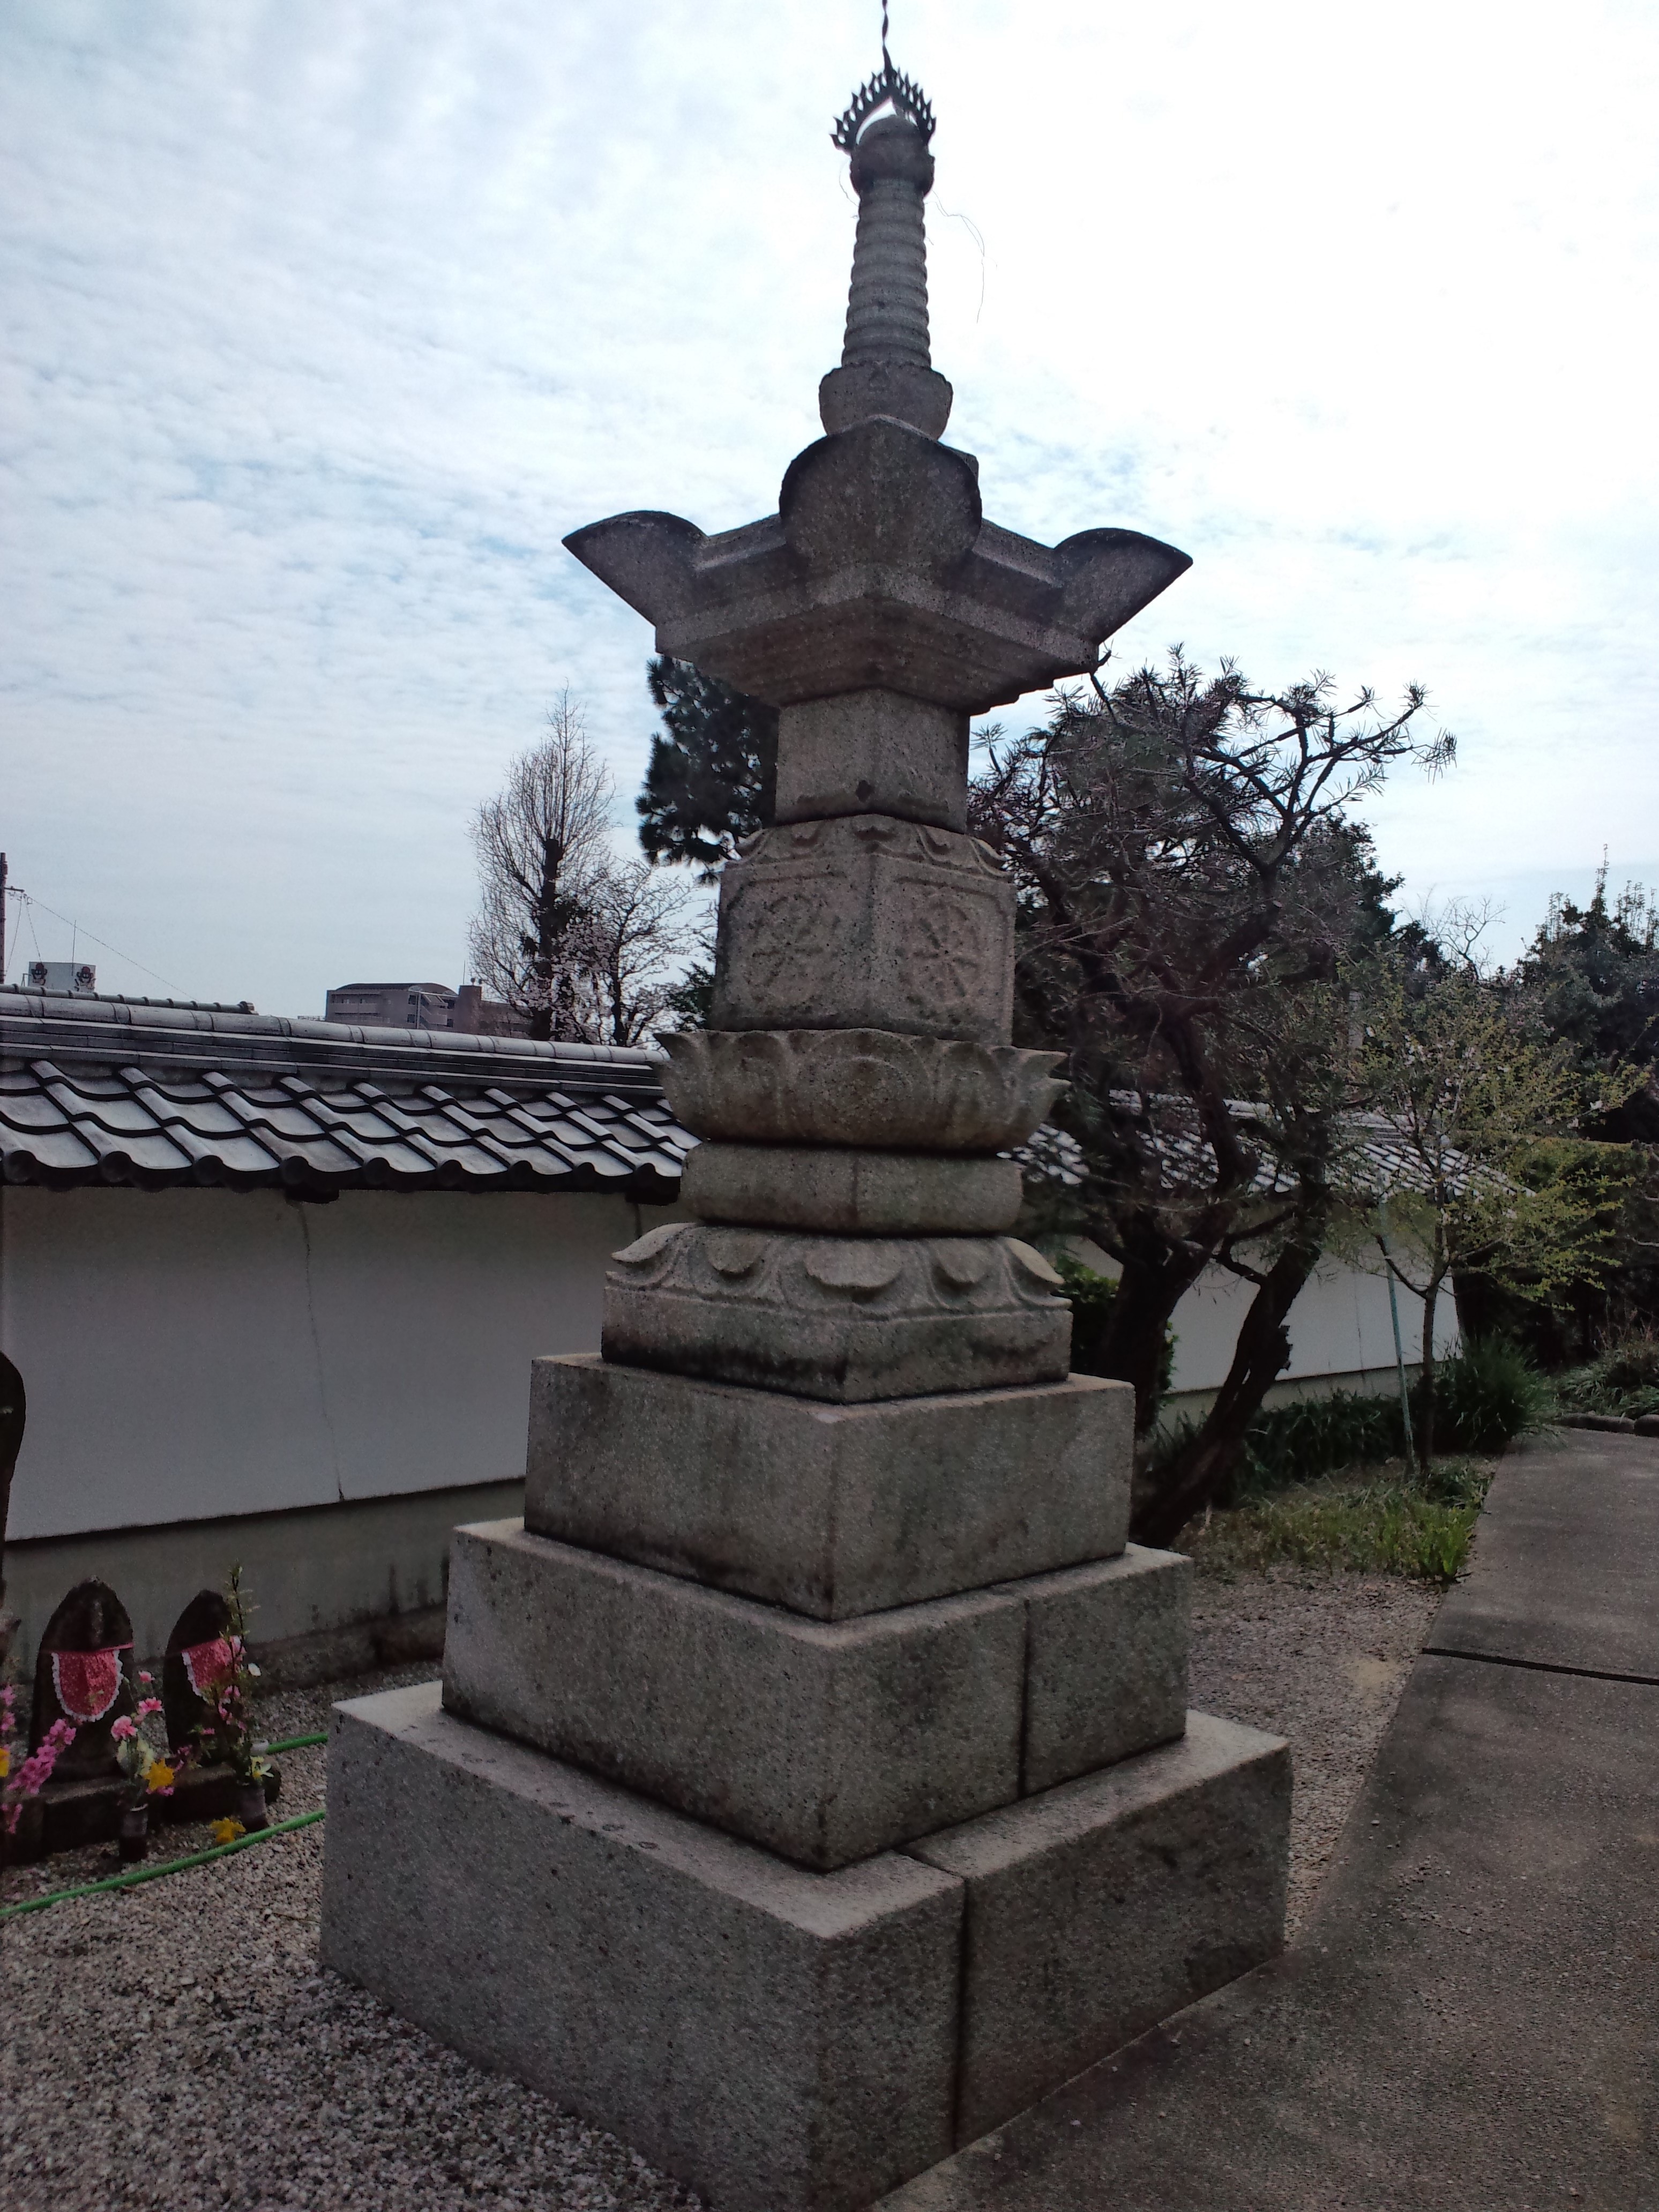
84, 1675
200, 1659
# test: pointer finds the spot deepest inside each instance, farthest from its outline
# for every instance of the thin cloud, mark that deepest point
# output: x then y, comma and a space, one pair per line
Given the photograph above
326, 325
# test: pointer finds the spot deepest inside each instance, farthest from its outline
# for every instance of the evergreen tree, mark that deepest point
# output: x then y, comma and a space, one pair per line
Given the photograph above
1591, 979
713, 778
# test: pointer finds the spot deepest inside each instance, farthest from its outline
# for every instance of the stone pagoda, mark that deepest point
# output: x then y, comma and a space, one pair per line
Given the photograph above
810, 1785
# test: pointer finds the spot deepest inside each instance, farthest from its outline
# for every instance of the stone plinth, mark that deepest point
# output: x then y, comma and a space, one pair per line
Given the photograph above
782, 2041
1105, 1905
831, 1511
825, 1741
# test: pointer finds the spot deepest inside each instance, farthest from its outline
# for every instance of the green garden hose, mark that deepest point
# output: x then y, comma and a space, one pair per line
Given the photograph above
177, 1866
170, 1866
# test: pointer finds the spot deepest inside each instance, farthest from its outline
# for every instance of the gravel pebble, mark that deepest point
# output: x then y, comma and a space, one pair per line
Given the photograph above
177, 2046
1320, 1660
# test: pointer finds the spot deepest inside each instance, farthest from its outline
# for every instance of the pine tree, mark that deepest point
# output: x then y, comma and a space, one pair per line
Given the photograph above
713, 777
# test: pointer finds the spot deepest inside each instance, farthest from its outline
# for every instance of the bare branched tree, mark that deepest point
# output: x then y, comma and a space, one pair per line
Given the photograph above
583, 946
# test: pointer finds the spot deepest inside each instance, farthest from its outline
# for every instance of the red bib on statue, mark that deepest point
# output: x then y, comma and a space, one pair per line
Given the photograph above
87, 1683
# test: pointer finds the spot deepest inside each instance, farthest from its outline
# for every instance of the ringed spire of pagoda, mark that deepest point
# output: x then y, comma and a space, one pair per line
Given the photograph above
886, 367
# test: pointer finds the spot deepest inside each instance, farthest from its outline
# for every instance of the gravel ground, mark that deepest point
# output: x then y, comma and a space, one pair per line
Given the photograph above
178, 2045
1319, 1659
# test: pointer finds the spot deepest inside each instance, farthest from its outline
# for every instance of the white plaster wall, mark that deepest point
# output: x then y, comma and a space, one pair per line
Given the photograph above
196, 1352
1339, 1325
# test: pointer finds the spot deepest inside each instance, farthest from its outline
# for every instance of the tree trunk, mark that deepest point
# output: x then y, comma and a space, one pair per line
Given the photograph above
1425, 1420
1196, 1474
1157, 1275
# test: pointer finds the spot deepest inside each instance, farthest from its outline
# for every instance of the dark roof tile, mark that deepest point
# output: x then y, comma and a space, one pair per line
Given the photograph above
113, 1093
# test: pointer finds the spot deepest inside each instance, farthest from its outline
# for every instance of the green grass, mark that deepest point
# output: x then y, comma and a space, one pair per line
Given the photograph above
1624, 1379
1389, 1527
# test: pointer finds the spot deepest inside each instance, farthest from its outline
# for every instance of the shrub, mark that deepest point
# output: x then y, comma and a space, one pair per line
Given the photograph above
1091, 1297
1631, 1365
1311, 1436
1624, 1379
1485, 1395
1378, 1528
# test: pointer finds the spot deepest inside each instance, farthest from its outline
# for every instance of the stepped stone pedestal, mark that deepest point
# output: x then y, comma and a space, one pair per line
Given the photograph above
810, 1785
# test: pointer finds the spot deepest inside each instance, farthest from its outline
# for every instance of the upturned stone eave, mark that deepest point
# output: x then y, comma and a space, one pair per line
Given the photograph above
1004, 616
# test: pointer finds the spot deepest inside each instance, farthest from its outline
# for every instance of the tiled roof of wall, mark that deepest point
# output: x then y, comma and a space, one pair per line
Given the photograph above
101, 1090
97, 1091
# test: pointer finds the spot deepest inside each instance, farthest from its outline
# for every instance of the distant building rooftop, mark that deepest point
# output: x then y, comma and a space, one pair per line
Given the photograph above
393, 1005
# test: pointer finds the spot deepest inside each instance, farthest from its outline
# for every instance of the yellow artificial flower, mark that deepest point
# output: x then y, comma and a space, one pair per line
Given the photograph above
158, 1775
5, 1760
226, 1831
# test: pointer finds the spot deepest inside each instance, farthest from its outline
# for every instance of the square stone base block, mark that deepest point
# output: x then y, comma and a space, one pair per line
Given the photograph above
1105, 1905
822, 1741
832, 1510
786, 2041
783, 2041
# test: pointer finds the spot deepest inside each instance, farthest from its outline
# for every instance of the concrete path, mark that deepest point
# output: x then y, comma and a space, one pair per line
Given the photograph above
1471, 2020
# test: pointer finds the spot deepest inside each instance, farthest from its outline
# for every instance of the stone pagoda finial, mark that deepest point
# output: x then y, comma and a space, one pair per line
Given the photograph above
885, 366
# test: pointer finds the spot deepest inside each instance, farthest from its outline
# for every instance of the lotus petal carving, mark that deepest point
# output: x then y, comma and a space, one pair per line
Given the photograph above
868, 1087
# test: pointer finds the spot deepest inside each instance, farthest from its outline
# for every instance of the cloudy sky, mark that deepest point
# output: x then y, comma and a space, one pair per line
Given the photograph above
328, 318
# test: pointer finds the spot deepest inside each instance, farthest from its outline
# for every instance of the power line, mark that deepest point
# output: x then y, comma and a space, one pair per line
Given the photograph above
15, 890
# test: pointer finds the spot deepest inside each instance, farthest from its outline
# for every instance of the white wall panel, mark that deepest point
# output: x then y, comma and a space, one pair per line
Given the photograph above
198, 1352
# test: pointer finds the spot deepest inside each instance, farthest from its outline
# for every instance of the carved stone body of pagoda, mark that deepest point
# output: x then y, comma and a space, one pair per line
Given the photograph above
810, 1785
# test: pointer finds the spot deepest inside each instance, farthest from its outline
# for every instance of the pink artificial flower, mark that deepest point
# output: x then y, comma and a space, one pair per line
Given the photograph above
148, 1705
143, 1677
124, 1727
36, 1771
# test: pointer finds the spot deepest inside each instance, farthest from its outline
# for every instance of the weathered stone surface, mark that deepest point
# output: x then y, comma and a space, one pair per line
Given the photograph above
873, 752
832, 1510
83, 1674
842, 1318
892, 173
920, 396
866, 922
878, 569
864, 1087
198, 1661
782, 2041
850, 1192
789, 2040
822, 1741
1106, 1663
1104, 1905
